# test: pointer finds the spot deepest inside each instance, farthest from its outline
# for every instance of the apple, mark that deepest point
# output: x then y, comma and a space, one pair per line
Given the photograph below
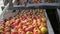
7, 19
16, 28
14, 32
24, 21
40, 27
22, 2
12, 20
16, 22
24, 27
43, 24
34, 21
36, 0
33, 1
1, 30
39, 1
7, 32
37, 31
3, 33
21, 32
43, 19
38, 22
34, 17
28, 23
43, 29
20, 25
7, 28
29, 32
34, 31
1, 26
7, 23
16, 17
29, 28
24, 17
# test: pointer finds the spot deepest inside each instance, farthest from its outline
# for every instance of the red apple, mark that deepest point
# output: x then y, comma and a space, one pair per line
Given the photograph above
25, 26
34, 23
29, 28
24, 21
16, 22
7, 23
7, 28
7, 32
33, 1
21, 32
16, 28
35, 33
22, 2
24, 17
38, 22
3, 33
12, 21
14, 32
34, 17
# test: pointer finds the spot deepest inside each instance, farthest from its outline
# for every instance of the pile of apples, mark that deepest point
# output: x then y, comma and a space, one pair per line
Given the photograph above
35, 1
32, 21
22, 2
50, 1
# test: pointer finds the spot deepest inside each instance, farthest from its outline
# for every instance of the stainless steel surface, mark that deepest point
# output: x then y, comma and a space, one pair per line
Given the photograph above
50, 29
58, 10
6, 7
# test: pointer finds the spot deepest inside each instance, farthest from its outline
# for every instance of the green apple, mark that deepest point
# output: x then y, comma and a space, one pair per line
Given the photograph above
38, 31
43, 29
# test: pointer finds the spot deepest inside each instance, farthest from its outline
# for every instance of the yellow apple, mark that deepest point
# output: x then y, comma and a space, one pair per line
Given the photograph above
43, 29
43, 19
43, 24
28, 32
37, 30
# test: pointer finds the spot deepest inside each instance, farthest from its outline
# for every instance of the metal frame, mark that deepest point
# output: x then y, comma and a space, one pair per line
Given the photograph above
58, 12
41, 5
50, 29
